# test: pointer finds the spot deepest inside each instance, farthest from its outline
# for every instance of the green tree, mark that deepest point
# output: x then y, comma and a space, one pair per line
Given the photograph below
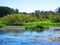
6, 10
58, 10
16, 11
37, 13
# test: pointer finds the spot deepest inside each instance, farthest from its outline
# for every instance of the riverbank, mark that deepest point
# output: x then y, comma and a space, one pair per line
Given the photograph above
52, 40
31, 25
12, 28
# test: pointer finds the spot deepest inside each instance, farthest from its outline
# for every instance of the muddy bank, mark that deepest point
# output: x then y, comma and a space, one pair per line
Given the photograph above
52, 40
12, 27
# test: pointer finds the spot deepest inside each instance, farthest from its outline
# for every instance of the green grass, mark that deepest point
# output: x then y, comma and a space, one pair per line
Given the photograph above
1, 23
42, 23
29, 25
45, 24
32, 25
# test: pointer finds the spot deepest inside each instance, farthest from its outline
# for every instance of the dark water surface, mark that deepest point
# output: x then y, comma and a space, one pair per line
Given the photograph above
29, 38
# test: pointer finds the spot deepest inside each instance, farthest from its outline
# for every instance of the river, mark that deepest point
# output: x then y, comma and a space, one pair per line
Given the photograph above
46, 37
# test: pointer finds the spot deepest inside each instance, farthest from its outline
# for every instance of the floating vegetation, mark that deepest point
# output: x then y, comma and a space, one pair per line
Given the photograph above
58, 32
50, 34
54, 39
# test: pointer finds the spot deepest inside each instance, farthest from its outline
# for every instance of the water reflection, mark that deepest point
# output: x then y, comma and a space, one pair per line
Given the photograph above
49, 37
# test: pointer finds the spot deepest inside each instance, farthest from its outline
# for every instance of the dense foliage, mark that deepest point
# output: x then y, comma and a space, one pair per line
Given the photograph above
23, 18
7, 10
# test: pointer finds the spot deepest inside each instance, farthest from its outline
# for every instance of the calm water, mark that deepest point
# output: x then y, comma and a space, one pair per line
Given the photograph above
29, 38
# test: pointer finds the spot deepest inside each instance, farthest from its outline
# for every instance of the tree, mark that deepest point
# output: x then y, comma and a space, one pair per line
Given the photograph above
5, 10
16, 11
24, 13
32, 14
37, 13
58, 10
